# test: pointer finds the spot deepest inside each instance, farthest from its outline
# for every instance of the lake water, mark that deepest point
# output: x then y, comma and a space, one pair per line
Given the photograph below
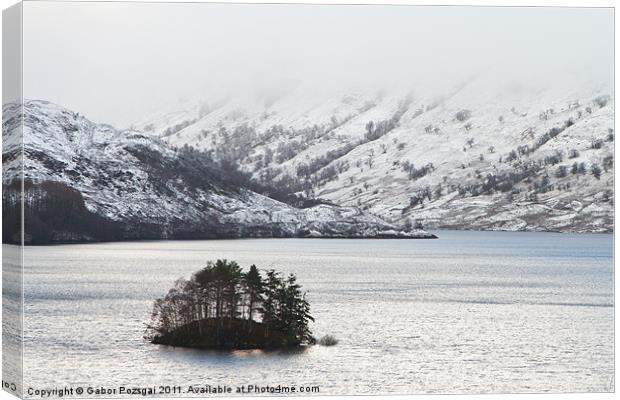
471, 312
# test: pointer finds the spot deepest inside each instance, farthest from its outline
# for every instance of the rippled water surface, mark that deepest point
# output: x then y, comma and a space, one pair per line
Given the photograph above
470, 312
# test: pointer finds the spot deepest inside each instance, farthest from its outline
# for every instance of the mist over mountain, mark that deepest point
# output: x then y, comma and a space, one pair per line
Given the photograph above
217, 52
407, 116
486, 154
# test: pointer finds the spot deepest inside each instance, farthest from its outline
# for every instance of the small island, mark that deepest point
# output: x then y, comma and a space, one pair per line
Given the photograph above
223, 307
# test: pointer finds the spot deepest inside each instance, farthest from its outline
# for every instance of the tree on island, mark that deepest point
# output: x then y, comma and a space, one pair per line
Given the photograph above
254, 291
223, 307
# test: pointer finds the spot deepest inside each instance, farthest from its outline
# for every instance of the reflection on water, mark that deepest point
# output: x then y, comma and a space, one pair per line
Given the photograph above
472, 312
222, 357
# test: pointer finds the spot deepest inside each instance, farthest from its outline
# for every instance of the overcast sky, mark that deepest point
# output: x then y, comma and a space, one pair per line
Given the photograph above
116, 62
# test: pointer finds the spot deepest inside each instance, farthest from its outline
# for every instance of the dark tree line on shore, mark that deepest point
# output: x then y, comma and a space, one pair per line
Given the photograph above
226, 303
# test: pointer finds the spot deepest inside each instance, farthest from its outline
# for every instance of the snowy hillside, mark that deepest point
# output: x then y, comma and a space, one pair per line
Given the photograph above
484, 155
87, 181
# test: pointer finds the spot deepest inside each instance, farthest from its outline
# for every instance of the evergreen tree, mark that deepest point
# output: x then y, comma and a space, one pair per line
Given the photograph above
254, 289
596, 171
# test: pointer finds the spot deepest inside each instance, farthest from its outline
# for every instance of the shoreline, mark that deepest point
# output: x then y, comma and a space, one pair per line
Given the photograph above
431, 236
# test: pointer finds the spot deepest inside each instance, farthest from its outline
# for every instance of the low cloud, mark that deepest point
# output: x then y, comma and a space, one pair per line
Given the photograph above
117, 62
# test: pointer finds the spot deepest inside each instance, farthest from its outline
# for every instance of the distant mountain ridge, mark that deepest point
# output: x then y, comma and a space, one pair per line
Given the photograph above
485, 155
90, 182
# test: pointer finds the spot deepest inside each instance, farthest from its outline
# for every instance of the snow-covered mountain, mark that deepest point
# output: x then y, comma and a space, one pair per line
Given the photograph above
87, 181
487, 154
